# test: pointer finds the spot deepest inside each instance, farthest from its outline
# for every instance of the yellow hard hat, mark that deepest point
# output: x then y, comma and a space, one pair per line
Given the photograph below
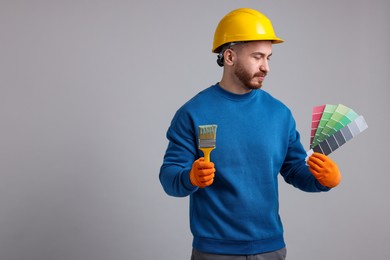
243, 24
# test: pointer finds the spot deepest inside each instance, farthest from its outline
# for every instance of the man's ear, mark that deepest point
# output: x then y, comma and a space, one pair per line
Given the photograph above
229, 57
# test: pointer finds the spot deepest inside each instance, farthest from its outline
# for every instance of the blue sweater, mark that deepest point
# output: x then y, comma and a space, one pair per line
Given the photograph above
256, 140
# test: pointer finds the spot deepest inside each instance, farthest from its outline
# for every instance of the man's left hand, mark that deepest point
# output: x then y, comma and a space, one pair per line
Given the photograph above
324, 170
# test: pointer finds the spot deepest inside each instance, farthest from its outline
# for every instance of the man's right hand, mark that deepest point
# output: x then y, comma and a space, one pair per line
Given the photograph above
202, 173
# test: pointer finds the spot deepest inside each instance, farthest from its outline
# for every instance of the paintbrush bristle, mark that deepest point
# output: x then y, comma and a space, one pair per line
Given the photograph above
207, 135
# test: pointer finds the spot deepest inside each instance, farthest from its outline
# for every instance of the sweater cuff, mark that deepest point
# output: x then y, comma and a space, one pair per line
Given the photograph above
322, 187
185, 179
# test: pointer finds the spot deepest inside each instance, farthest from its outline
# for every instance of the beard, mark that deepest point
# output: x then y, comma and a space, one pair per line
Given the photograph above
248, 80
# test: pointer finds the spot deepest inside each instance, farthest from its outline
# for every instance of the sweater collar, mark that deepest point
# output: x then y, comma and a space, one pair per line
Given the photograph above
233, 96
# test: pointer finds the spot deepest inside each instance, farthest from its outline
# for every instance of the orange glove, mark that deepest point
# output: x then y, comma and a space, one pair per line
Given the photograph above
324, 170
202, 173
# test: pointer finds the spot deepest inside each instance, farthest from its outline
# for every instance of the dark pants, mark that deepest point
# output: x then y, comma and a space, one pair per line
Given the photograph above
275, 255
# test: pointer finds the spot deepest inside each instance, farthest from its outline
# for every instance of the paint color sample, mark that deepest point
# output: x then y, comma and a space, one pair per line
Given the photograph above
315, 120
342, 136
341, 117
326, 115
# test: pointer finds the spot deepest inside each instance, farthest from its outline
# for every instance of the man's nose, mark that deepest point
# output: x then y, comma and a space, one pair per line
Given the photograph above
265, 66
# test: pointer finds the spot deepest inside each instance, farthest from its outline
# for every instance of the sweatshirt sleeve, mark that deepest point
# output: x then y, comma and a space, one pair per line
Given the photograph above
179, 156
294, 169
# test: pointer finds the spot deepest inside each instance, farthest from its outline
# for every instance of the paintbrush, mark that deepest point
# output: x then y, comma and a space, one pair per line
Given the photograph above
207, 140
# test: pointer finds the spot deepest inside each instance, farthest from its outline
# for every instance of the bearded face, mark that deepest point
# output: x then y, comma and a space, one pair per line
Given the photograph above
251, 80
251, 66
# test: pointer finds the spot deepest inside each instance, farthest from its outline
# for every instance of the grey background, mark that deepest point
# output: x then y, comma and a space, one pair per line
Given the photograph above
88, 89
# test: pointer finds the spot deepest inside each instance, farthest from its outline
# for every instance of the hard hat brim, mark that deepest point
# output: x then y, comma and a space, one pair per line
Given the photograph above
274, 40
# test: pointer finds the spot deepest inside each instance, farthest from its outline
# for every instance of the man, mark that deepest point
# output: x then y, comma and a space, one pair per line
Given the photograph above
234, 199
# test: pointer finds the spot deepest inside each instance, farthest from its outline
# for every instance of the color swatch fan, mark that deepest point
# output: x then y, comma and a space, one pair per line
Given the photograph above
332, 126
